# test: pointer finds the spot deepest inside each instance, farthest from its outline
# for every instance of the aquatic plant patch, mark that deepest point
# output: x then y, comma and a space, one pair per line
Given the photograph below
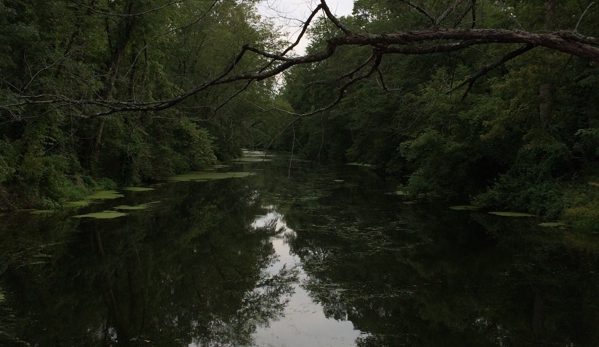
102, 215
512, 214
132, 208
205, 176
105, 195
464, 208
138, 189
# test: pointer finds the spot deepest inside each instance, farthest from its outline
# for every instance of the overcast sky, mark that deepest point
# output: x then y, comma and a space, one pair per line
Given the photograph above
292, 13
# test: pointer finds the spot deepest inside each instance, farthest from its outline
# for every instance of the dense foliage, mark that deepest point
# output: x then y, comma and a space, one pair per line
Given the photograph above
125, 50
524, 137
465, 124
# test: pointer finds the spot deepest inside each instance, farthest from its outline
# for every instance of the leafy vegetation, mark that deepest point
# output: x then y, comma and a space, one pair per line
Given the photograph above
125, 92
521, 137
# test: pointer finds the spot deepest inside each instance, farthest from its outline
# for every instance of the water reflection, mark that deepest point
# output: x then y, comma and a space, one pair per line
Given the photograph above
322, 258
303, 322
190, 274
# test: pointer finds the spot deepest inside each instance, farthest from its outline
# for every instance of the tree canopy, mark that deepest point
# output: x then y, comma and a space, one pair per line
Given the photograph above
467, 99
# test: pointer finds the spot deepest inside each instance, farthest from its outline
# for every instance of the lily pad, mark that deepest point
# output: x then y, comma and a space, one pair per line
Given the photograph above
552, 224
512, 214
132, 208
203, 176
464, 208
138, 189
105, 195
81, 203
102, 215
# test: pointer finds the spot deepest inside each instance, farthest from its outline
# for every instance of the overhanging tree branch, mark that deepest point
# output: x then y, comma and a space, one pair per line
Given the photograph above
470, 81
429, 41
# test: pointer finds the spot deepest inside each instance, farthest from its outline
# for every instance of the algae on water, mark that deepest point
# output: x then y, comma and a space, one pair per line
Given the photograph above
132, 208
102, 215
464, 208
105, 195
138, 189
204, 176
512, 214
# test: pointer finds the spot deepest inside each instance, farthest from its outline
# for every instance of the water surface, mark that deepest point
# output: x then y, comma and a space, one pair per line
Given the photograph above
293, 256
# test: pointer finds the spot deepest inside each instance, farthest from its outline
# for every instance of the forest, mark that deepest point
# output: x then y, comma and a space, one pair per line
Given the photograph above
493, 103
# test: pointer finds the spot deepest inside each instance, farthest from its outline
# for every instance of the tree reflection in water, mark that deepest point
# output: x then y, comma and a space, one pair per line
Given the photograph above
187, 273
196, 270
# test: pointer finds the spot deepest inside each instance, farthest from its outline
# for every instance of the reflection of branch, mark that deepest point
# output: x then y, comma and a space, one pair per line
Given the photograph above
470, 81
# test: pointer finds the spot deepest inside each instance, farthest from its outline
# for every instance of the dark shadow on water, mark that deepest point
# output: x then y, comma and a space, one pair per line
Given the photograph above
190, 270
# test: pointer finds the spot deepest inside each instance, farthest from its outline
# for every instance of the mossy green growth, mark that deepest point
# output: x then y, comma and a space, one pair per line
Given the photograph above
75, 204
204, 176
401, 193
552, 224
512, 214
132, 208
464, 208
338, 181
105, 195
102, 215
1, 297
138, 189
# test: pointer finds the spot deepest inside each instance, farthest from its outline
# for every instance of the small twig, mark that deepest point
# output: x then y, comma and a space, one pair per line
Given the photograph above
421, 10
334, 19
470, 81
582, 16
447, 12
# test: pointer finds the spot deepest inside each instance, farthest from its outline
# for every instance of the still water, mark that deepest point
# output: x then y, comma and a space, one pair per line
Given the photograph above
293, 256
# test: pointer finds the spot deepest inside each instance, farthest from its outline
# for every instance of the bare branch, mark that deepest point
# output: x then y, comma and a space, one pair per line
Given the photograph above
582, 16
419, 42
334, 19
470, 81
447, 12
304, 30
421, 10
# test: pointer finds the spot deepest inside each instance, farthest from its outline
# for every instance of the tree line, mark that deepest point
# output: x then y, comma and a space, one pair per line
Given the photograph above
494, 102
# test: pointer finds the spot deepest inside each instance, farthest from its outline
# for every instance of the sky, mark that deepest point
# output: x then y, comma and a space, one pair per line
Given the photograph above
290, 14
